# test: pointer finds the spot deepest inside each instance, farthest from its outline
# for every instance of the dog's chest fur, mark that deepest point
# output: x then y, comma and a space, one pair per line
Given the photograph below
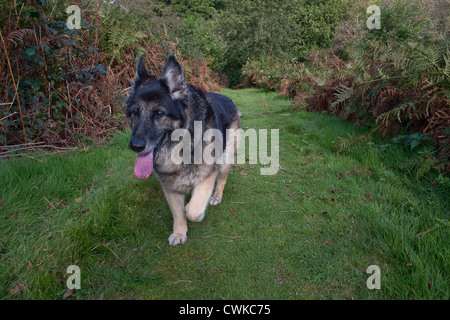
179, 177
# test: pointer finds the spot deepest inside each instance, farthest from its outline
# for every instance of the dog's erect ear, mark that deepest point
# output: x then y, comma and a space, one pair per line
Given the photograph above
174, 77
141, 72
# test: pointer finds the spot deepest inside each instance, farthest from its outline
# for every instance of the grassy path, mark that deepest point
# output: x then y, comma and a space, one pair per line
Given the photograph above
308, 232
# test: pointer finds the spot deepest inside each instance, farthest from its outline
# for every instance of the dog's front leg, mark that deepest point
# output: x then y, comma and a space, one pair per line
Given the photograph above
176, 204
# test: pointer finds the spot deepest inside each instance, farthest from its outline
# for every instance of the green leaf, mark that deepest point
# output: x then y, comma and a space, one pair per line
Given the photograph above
415, 144
39, 122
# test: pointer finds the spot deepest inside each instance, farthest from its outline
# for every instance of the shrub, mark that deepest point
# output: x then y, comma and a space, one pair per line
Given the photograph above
71, 84
397, 76
283, 29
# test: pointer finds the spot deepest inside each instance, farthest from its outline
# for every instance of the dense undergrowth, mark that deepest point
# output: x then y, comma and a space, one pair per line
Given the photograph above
60, 86
395, 79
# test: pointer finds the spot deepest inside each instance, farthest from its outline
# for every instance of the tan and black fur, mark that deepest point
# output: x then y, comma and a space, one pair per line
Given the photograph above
155, 108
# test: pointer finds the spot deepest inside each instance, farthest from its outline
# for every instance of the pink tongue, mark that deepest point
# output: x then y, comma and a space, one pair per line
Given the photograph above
143, 166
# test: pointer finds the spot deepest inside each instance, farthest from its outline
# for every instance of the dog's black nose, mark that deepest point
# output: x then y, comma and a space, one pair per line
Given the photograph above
137, 145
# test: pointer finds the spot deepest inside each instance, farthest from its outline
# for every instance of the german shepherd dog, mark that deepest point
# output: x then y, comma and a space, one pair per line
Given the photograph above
155, 109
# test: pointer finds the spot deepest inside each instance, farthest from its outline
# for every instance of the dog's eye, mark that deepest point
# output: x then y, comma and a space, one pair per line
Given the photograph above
159, 114
134, 112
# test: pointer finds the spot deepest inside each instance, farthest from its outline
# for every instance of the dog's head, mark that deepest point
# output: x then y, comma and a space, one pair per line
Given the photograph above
155, 107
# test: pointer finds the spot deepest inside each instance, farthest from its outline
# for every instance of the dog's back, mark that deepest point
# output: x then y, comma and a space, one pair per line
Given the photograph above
225, 112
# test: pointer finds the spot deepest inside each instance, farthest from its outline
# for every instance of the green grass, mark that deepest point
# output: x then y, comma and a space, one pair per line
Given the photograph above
308, 232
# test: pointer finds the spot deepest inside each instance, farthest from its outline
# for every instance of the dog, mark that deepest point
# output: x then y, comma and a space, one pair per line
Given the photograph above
155, 109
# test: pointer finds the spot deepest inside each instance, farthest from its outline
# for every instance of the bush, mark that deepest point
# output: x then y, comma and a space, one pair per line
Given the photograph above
400, 75
283, 29
71, 84
395, 79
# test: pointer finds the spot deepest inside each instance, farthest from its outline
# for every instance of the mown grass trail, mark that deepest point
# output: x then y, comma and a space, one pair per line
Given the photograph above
308, 232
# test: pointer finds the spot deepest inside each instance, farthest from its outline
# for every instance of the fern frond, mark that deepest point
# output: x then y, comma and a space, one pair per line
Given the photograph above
446, 58
394, 114
18, 35
355, 53
400, 60
343, 93
422, 164
345, 144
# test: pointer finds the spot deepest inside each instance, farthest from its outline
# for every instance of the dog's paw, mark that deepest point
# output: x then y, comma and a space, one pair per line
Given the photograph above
176, 238
215, 200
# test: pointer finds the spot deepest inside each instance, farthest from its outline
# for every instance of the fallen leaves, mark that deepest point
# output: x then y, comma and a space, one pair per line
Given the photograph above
243, 169
233, 214
16, 289
354, 171
67, 294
